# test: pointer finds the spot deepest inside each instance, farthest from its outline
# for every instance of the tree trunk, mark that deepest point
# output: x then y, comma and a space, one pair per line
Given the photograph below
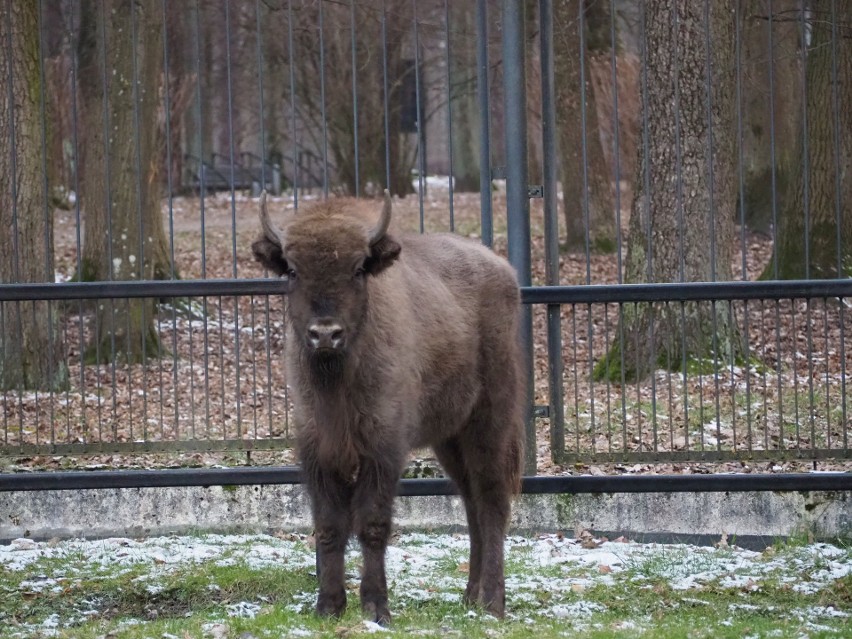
465, 140
587, 195
29, 339
815, 230
770, 110
124, 237
533, 76
681, 225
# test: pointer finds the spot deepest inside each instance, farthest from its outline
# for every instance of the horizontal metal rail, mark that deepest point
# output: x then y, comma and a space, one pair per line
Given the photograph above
591, 294
243, 476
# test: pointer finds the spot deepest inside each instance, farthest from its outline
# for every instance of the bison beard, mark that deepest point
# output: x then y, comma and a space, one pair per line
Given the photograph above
397, 343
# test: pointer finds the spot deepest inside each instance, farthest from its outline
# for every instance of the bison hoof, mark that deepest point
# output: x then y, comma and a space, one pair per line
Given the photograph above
471, 594
495, 606
377, 612
331, 605
495, 609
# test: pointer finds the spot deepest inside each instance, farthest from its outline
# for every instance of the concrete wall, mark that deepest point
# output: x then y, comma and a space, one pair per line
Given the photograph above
749, 518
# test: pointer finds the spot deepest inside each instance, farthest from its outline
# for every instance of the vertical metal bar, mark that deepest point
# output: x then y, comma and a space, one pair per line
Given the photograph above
231, 155
322, 104
170, 202
262, 128
795, 375
108, 203
517, 200
449, 111
711, 177
355, 98
616, 141
385, 94
738, 27
679, 155
836, 133
134, 35
774, 176
487, 230
584, 146
77, 229
204, 303
806, 154
646, 173
551, 231
48, 247
296, 147
421, 128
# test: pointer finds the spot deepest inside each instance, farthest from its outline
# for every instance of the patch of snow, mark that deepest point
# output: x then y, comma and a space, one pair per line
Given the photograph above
245, 609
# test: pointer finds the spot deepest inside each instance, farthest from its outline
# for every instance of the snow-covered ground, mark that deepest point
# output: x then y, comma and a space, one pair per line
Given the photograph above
432, 567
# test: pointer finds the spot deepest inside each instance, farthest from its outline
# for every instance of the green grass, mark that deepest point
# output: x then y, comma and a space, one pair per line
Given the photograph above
259, 586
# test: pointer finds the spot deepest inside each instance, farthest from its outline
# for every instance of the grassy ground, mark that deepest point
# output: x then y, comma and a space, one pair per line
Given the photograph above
248, 587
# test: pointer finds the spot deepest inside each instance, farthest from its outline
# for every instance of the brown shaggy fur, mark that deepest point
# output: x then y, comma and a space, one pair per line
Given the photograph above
429, 358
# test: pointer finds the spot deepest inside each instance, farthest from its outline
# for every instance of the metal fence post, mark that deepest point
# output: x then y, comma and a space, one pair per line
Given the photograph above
483, 97
551, 231
517, 194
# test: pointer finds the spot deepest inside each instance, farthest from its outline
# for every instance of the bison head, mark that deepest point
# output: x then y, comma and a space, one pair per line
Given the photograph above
328, 256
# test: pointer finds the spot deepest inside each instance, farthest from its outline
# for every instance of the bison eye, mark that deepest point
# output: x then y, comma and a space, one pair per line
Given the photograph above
291, 273
360, 272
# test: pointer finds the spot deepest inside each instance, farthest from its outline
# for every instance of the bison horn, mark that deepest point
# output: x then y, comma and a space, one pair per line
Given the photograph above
381, 227
269, 229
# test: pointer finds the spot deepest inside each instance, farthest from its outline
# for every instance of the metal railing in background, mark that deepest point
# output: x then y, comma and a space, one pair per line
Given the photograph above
365, 94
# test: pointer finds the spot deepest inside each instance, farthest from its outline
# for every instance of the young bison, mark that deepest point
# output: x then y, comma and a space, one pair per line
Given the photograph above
395, 343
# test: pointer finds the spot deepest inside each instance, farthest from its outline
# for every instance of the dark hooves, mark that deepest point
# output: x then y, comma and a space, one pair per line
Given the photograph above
377, 612
331, 606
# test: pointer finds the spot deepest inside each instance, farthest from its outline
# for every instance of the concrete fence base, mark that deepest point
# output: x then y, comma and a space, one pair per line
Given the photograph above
747, 518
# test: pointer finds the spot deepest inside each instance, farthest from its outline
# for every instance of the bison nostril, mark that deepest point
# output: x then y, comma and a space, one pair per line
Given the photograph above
325, 335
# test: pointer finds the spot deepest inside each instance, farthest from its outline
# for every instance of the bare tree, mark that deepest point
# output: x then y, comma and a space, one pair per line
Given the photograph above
29, 343
586, 178
354, 104
815, 229
681, 225
120, 51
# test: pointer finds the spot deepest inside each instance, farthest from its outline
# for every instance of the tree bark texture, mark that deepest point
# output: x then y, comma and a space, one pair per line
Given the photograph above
120, 52
770, 109
681, 224
587, 195
30, 346
815, 230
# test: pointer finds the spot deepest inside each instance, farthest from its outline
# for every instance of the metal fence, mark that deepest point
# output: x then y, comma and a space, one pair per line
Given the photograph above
501, 120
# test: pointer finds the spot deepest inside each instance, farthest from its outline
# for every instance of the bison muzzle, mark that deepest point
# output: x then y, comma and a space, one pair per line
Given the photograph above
397, 342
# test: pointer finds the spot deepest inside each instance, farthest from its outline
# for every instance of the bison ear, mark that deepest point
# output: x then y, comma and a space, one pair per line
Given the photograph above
269, 253
382, 254
268, 248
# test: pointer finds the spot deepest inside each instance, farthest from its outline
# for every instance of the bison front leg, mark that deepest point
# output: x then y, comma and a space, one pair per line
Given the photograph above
372, 509
332, 527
